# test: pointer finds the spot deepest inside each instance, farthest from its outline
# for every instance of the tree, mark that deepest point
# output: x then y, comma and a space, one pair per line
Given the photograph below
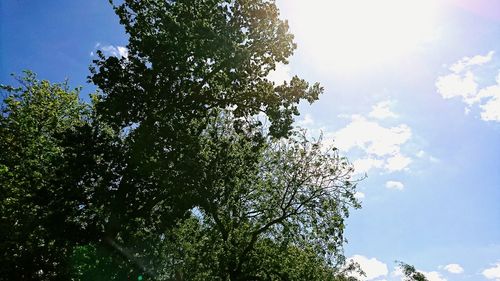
187, 60
38, 197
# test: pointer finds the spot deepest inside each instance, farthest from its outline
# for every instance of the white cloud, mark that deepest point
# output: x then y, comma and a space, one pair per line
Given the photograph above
382, 110
493, 272
362, 166
491, 108
280, 74
462, 82
424, 155
397, 162
467, 62
380, 145
395, 185
454, 268
433, 276
359, 195
112, 51
456, 85
372, 137
372, 267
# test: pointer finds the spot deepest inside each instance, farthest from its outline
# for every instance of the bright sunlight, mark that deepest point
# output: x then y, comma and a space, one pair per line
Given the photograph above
358, 34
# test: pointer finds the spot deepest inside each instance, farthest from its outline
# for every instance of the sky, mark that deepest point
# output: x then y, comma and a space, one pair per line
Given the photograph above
412, 97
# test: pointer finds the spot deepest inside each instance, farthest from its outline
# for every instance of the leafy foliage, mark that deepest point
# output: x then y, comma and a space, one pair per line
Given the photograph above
268, 211
187, 57
37, 203
267, 207
187, 61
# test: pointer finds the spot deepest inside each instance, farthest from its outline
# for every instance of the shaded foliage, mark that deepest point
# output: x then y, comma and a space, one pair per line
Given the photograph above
187, 60
270, 210
187, 57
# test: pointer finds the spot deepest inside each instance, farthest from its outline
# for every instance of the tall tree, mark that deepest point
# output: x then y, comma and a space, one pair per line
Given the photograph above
186, 57
186, 61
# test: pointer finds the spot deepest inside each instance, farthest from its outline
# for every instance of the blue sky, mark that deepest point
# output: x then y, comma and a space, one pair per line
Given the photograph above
412, 95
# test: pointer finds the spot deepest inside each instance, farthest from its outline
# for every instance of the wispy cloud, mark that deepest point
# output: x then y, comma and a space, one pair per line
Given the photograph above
395, 185
467, 62
382, 110
454, 268
375, 140
111, 50
462, 82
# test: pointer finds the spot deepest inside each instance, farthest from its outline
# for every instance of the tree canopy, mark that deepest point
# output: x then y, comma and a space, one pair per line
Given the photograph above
187, 57
187, 61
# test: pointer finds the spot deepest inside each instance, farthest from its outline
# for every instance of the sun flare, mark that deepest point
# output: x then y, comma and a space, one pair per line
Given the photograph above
355, 34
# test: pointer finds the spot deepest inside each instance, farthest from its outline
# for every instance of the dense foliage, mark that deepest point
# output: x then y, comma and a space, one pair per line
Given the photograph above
270, 209
39, 198
187, 61
265, 206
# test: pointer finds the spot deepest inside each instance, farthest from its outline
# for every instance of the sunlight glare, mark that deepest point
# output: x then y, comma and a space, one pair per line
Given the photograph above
358, 34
